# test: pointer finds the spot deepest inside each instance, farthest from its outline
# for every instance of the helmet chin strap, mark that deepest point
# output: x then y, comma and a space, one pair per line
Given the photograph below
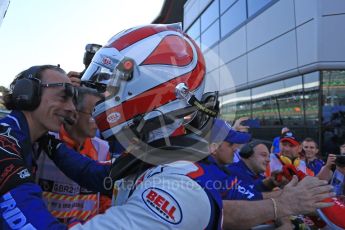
182, 92
207, 109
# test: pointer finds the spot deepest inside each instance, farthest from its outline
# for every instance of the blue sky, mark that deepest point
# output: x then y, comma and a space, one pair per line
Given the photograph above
36, 32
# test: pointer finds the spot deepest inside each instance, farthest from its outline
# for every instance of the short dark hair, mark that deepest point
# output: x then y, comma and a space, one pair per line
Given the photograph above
82, 92
309, 139
36, 72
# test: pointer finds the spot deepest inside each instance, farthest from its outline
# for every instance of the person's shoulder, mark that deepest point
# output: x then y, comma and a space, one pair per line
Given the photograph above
167, 192
276, 139
177, 167
99, 140
320, 161
234, 166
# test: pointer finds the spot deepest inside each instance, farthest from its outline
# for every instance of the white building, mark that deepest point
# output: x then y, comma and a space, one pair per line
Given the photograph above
282, 61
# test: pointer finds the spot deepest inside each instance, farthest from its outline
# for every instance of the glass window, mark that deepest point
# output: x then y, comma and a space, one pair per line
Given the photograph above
210, 36
265, 103
255, 5
194, 30
311, 98
225, 4
333, 110
210, 15
233, 17
236, 105
279, 103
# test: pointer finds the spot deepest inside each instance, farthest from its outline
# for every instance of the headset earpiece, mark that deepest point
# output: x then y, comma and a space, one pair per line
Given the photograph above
248, 149
26, 92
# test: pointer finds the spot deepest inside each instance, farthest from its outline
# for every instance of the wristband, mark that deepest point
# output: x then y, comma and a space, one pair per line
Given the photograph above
275, 208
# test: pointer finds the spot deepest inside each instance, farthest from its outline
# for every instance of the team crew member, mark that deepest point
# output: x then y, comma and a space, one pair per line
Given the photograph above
225, 141
65, 199
254, 160
40, 99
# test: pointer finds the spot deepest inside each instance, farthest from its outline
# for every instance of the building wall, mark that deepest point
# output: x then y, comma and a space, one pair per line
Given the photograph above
284, 38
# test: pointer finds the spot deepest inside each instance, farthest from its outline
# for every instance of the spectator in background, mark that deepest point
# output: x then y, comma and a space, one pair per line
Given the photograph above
338, 176
276, 141
288, 157
311, 151
65, 199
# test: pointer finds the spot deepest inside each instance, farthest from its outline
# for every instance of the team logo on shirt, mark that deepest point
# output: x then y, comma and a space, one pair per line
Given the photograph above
162, 204
8, 143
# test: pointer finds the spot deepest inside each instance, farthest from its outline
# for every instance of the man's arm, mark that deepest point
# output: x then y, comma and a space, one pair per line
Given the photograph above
326, 171
86, 172
23, 208
21, 204
296, 198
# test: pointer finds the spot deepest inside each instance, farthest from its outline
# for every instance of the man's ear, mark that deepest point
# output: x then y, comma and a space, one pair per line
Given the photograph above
213, 148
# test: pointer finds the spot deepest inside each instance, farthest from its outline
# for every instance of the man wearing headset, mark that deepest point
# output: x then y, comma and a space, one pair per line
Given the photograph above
41, 100
254, 160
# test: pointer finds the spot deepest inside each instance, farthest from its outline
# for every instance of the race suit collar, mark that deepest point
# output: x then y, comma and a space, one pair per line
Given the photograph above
18, 120
243, 165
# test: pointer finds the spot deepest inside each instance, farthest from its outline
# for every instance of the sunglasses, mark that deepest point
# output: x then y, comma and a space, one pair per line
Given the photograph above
69, 89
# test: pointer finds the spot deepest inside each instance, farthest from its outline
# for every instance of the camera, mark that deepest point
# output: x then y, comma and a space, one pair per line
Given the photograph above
90, 51
340, 161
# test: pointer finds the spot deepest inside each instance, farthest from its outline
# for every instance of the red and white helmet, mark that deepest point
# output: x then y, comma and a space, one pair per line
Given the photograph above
147, 72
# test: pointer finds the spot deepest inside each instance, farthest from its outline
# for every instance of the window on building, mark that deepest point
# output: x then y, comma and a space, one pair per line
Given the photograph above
311, 98
210, 15
233, 17
194, 30
255, 5
333, 110
210, 36
279, 103
236, 105
225, 4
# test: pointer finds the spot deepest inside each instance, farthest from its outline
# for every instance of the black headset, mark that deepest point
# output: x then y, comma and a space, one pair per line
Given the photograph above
248, 149
26, 92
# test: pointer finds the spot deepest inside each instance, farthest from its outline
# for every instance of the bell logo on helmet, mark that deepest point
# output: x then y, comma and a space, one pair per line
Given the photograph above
113, 117
106, 61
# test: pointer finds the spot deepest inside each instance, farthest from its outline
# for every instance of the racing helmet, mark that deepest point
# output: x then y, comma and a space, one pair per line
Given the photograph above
152, 77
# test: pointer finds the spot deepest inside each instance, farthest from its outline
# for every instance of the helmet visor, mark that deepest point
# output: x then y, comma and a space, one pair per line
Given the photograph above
105, 73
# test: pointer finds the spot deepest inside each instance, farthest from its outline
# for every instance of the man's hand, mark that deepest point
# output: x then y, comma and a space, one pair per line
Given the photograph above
74, 77
304, 197
330, 160
237, 124
49, 144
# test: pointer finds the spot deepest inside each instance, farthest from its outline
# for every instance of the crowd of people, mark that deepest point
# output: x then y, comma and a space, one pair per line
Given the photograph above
58, 172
